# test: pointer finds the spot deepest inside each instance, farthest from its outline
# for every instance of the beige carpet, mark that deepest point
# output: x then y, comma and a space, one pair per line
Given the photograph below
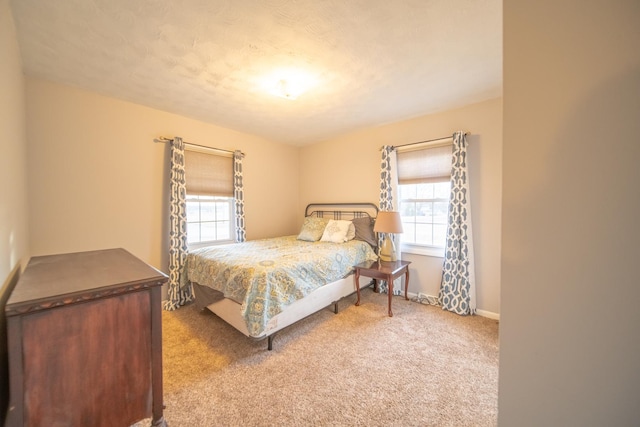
422, 367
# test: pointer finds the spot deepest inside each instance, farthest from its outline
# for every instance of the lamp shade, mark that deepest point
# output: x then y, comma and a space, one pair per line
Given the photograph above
388, 222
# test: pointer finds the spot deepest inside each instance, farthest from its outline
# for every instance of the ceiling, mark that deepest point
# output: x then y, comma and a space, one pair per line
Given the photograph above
373, 61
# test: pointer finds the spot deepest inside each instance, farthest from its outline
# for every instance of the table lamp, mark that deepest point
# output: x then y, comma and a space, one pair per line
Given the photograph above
389, 223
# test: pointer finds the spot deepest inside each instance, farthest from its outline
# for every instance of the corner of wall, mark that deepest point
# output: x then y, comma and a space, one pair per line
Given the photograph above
5, 292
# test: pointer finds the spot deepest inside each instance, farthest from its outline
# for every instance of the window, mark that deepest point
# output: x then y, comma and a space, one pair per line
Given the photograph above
423, 208
210, 202
424, 178
209, 219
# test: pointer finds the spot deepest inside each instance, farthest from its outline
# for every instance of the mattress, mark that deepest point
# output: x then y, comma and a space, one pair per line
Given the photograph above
266, 276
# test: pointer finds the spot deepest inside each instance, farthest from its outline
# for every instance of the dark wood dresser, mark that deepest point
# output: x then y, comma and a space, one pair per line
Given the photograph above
85, 341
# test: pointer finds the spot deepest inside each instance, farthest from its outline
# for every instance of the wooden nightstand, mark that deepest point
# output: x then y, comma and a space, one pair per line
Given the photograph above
383, 270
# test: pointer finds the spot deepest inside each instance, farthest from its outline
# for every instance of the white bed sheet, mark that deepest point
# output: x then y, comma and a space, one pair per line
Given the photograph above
230, 311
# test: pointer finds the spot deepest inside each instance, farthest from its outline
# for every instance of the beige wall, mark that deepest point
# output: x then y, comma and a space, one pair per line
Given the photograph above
14, 239
97, 179
348, 169
14, 247
570, 322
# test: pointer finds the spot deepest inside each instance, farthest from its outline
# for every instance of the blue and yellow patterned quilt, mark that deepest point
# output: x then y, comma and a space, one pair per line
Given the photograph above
267, 275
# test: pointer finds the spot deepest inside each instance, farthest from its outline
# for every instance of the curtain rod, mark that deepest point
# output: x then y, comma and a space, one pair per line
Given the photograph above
163, 139
428, 140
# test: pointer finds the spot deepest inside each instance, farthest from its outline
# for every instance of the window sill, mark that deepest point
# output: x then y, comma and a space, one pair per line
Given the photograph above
192, 246
422, 250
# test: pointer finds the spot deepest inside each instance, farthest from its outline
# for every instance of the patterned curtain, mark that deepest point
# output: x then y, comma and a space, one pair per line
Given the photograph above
388, 193
177, 295
386, 188
238, 195
458, 289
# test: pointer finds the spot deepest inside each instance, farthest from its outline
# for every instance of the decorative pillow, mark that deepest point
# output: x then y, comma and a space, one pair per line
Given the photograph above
312, 228
364, 230
336, 231
351, 234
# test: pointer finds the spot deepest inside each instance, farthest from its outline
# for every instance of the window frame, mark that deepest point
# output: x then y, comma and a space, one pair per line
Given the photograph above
421, 248
218, 199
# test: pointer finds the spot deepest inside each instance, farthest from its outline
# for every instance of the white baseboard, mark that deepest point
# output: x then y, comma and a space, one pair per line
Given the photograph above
483, 313
488, 314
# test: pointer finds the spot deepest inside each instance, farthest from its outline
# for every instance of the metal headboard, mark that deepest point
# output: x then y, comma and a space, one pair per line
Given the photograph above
342, 210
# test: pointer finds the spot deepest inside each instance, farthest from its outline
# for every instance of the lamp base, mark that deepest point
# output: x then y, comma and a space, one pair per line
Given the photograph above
388, 250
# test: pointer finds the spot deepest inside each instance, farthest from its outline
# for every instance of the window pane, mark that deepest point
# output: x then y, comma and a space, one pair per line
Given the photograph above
222, 210
424, 212
224, 231
208, 231
193, 211
424, 234
423, 218
207, 211
209, 218
439, 234
193, 232
408, 212
409, 235
440, 210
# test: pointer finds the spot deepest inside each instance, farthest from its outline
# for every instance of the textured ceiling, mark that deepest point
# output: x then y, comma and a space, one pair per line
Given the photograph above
374, 61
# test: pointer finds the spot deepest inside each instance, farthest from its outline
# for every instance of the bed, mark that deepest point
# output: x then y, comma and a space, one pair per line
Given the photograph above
262, 286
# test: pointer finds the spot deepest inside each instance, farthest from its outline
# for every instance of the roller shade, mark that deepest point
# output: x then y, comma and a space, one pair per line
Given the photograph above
432, 164
208, 174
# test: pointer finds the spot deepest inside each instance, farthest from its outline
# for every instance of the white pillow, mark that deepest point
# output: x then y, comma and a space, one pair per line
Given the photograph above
351, 234
336, 231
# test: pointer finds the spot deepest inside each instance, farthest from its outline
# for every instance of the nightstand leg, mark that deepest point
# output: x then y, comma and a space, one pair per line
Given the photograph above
406, 284
357, 281
390, 290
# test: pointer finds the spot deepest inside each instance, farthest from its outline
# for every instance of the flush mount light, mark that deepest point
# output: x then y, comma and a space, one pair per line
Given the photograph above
289, 84
284, 90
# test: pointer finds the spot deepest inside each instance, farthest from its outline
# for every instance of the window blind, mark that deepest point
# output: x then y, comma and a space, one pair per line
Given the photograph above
430, 164
208, 174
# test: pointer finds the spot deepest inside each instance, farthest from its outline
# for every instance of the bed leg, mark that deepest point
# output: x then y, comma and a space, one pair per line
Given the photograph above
335, 308
270, 342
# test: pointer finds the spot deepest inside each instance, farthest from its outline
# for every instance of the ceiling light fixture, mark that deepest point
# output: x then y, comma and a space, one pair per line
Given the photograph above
289, 84
284, 91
